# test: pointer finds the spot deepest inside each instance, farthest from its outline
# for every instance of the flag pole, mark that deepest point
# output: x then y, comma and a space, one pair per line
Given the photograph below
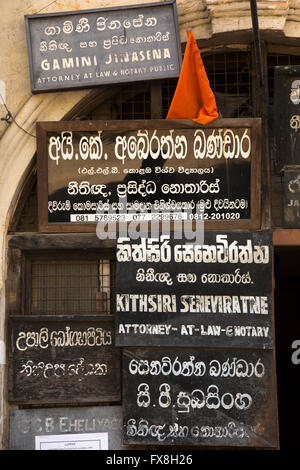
264, 114
258, 58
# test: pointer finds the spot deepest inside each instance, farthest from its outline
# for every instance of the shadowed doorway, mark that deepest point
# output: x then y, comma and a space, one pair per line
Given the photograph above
287, 334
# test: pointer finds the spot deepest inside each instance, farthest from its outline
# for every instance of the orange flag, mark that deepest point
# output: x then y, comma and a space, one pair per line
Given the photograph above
193, 97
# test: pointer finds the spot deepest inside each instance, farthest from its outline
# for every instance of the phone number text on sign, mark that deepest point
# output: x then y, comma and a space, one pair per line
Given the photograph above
111, 176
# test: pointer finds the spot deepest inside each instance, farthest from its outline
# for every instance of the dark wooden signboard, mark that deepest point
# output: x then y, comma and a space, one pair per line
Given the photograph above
25, 425
174, 293
88, 48
286, 116
63, 360
291, 208
210, 397
93, 173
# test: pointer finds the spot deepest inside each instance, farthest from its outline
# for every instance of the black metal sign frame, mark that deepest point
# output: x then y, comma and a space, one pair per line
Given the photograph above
286, 116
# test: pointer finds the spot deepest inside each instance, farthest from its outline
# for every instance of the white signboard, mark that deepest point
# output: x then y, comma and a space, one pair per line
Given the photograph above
90, 441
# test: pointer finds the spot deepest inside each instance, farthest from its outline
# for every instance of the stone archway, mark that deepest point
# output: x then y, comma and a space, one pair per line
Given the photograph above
17, 149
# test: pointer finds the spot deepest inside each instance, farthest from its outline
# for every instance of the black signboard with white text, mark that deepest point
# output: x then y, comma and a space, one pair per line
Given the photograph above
211, 397
291, 208
286, 116
214, 293
92, 172
63, 359
88, 48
